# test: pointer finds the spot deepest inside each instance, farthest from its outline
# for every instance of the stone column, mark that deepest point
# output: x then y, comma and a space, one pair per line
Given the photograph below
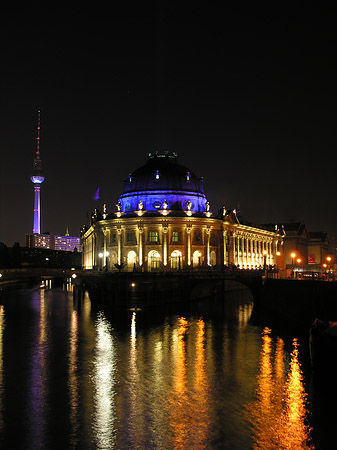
234, 249
247, 253
224, 233
259, 252
104, 246
140, 245
119, 244
164, 244
188, 231
208, 234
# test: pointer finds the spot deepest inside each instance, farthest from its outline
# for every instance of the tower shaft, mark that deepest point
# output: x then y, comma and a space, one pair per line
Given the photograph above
37, 214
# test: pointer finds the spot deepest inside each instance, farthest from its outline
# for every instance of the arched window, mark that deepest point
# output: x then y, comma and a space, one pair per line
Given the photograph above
153, 260
197, 260
213, 258
176, 260
132, 259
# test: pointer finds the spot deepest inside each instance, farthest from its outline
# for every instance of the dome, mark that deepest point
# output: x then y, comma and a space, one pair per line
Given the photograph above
162, 180
163, 172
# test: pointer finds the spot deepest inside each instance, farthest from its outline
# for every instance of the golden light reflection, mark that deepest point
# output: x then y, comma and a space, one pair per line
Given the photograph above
278, 416
201, 395
188, 401
73, 375
178, 406
244, 314
104, 380
295, 430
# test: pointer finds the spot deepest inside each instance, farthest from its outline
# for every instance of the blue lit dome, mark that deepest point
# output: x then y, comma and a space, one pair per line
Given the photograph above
162, 183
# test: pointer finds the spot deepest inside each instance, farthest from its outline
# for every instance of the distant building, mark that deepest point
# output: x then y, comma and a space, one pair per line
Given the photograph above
305, 250
54, 242
163, 221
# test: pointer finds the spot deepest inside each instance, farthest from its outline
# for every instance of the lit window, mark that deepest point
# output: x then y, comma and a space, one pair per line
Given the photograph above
176, 236
153, 236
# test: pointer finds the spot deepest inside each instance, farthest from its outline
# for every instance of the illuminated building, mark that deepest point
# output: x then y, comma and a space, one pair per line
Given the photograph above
310, 247
163, 221
54, 242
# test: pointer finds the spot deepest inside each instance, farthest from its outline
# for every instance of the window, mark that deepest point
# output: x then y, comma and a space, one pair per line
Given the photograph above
214, 240
197, 237
176, 236
156, 204
113, 238
153, 236
130, 236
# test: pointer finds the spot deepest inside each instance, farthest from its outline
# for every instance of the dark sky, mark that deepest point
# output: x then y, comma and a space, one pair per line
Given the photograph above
247, 98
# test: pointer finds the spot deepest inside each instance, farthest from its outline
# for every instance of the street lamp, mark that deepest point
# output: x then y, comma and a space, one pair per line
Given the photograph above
293, 256
298, 260
103, 262
328, 258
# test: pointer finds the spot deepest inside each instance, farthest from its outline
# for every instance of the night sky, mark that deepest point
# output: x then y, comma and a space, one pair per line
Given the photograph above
246, 97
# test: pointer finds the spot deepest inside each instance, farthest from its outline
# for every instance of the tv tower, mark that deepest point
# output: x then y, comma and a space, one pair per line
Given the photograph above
37, 179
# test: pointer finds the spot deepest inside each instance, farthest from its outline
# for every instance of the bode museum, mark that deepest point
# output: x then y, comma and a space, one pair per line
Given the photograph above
163, 221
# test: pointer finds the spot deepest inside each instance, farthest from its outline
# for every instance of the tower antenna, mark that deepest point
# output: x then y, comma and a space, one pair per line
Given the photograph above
38, 134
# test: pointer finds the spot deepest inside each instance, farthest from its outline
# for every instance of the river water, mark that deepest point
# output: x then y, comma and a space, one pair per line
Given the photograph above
206, 376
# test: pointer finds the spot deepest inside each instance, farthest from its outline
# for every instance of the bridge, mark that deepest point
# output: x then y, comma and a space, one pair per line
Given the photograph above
156, 288
302, 300
32, 275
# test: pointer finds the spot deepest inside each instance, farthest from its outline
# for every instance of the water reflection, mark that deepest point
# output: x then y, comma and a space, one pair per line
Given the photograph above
104, 381
188, 407
85, 378
37, 377
279, 414
73, 379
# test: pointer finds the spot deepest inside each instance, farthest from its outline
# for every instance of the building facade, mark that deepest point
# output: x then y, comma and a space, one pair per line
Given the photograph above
163, 221
54, 242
